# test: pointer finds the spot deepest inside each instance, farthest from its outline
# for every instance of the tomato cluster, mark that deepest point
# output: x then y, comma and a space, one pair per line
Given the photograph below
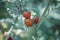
28, 20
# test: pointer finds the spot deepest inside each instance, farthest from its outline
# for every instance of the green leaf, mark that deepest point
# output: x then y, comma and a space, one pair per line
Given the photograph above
3, 12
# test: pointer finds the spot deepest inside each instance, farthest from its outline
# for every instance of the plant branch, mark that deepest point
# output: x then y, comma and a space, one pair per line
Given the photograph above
41, 20
17, 6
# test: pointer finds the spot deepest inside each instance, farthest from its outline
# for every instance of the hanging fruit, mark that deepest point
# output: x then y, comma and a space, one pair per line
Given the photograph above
36, 18
6, 25
28, 22
25, 36
9, 38
26, 14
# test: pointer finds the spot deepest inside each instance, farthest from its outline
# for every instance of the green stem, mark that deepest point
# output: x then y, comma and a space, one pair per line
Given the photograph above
44, 15
2, 29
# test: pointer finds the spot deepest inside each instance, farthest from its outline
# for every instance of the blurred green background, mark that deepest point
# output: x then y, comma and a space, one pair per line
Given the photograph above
12, 22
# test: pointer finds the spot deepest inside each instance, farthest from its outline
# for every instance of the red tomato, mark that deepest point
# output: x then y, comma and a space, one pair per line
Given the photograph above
28, 22
9, 38
36, 18
26, 14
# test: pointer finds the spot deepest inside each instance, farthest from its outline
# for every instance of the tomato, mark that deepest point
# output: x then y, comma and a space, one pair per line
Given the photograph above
26, 14
9, 38
28, 22
36, 18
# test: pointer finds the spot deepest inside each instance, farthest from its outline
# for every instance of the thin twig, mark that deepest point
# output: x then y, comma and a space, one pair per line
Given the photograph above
17, 6
44, 15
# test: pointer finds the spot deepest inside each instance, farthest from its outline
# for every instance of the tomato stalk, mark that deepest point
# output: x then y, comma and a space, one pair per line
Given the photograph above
41, 20
2, 29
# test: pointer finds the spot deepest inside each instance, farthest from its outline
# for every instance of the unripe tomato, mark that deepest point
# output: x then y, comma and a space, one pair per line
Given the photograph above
25, 36
9, 38
28, 22
36, 18
26, 14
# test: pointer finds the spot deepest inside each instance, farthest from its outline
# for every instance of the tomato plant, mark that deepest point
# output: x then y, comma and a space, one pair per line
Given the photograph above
30, 19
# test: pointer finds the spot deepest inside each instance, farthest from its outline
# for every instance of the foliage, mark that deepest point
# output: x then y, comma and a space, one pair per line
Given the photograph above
12, 20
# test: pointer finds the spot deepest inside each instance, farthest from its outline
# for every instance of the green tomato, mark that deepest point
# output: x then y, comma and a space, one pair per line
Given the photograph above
32, 31
6, 25
25, 36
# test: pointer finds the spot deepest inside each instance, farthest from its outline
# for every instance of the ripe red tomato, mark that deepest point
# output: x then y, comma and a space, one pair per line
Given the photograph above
28, 22
26, 14
36, 18
9, 38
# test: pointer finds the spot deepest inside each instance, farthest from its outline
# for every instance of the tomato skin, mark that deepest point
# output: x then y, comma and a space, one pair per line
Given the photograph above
36, 19
26, 14
28, 22
9, 38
